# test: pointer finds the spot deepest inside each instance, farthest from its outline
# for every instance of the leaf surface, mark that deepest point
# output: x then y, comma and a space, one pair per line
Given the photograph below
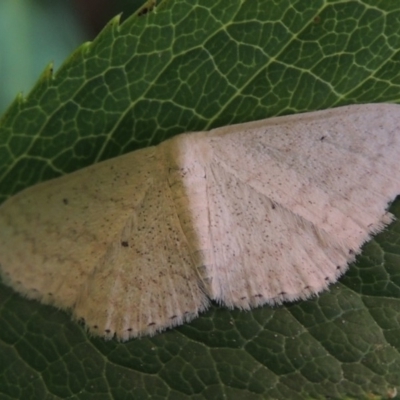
189, 66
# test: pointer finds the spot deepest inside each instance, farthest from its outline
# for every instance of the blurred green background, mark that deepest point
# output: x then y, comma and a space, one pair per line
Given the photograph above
34, 33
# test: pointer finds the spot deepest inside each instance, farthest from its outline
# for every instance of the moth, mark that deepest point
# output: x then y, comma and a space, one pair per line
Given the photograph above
244, 215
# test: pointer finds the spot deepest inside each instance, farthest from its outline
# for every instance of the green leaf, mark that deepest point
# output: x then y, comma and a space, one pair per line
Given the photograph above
192, 65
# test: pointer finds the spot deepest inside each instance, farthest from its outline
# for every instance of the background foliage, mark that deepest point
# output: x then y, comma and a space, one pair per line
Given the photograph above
32, 32
193, 65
